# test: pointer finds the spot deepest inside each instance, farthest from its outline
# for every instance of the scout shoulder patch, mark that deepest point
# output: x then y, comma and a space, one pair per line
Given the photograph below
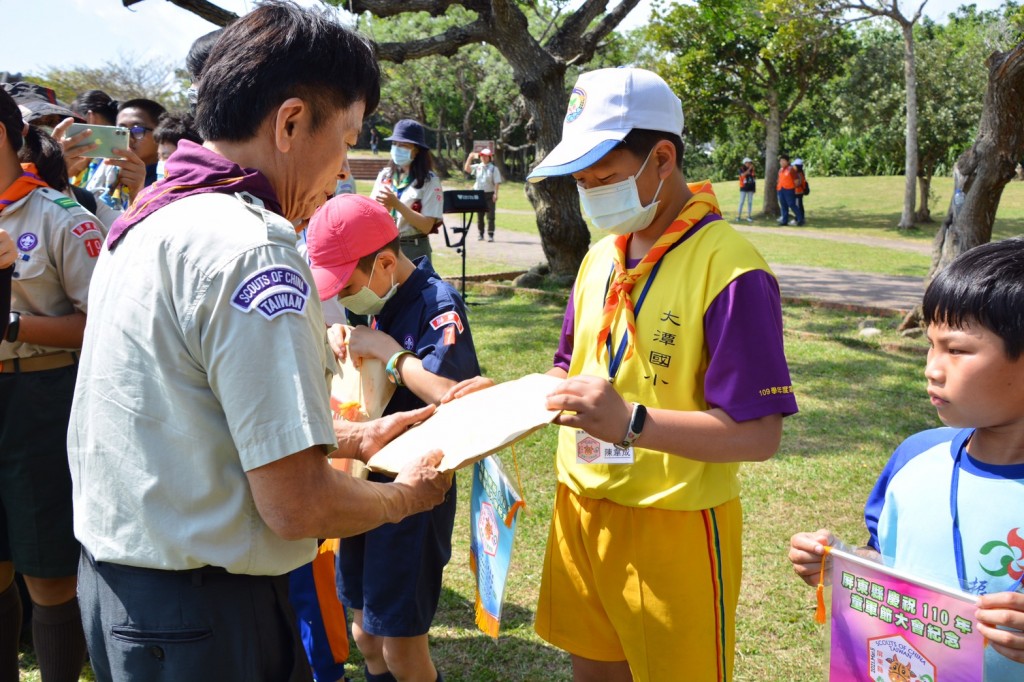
450, 317
85, 227
273, 290
64, 201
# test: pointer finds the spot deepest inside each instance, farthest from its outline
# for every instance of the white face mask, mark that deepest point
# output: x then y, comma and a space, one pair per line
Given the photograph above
617, 207
364, 301
401, 156
160, 169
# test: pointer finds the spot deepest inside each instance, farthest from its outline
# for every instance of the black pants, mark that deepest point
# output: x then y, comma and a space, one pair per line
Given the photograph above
489, 198
204, 624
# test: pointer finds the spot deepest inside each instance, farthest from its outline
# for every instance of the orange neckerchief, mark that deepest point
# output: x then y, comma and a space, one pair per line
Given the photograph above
20, 188
618, 301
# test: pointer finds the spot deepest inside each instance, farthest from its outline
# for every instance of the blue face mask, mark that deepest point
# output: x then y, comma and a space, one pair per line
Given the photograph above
401, 155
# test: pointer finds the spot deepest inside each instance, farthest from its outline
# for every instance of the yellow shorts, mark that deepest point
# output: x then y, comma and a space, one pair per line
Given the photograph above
653, 587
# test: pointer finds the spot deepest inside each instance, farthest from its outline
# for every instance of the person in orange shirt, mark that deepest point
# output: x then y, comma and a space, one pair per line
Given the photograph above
786, 187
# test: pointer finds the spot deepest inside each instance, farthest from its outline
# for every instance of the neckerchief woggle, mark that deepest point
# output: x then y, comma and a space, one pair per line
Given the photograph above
958, 541
22, 186
617, 296
399, 188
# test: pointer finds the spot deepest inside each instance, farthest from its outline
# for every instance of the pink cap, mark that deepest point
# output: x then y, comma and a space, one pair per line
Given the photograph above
345, 229
486, 151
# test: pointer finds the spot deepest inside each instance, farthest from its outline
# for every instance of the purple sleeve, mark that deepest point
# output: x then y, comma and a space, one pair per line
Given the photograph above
747, 374
565, 341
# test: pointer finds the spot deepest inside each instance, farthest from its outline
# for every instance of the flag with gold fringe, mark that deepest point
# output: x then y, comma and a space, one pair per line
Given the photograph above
495, 503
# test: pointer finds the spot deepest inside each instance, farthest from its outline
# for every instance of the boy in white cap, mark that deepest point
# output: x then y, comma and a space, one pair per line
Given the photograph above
672, 350
486, 177
748, 185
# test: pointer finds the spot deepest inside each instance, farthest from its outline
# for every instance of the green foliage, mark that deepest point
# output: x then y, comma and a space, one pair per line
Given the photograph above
125, 78
854, 123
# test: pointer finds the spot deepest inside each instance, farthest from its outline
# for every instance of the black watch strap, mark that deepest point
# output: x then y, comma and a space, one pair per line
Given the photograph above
13, 327
636, 426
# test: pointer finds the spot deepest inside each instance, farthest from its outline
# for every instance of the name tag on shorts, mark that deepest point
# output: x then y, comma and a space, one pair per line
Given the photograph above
590, 450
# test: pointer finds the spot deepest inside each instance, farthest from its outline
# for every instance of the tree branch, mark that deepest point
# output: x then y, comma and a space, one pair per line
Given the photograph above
573, 43
389, 8
444, 44
201, 8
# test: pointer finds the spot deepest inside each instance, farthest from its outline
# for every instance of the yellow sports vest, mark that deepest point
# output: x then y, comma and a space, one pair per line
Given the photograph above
665, 371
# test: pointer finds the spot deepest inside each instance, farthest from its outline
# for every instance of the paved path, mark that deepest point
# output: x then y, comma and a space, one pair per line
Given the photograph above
521, 251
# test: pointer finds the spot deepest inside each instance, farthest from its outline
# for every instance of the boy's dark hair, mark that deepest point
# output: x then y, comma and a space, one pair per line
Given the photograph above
279, 51
48, 156
639, 142
153, 109
10, 119
98, 102
985, 286
175, 127
783, 156
365, 263
195, 61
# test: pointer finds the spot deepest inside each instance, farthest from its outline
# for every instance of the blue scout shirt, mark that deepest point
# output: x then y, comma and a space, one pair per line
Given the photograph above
428, 317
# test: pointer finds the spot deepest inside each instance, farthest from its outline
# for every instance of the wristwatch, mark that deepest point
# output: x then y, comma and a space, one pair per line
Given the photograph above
13, 327
391, 369
636, 425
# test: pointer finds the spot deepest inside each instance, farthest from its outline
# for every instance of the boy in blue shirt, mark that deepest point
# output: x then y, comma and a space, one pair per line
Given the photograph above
391, 576
961, 486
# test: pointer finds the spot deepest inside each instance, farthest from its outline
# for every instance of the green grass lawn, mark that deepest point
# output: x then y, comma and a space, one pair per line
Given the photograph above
857, 402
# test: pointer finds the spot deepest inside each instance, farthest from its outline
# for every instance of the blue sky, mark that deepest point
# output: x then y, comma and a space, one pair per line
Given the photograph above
90, 32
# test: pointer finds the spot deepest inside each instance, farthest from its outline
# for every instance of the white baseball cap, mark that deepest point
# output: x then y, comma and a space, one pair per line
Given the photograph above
798, 162
747, 159
604, 106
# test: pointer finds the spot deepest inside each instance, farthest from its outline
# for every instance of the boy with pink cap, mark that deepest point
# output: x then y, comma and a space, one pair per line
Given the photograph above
391, 576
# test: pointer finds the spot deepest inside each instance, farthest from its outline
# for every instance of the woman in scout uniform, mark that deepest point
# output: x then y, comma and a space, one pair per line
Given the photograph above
410, 190
57, 245
672, 350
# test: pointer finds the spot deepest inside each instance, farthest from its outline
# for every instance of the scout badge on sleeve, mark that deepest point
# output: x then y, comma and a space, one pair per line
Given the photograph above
887, 625
494, 506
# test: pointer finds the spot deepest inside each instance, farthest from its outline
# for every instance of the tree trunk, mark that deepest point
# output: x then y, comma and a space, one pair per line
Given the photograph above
910, 81
773, 132
564, 235
981, 173
924, 185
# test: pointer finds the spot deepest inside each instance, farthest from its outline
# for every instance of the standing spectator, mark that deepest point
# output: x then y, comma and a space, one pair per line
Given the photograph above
786, 188
673, 352
95, 107
391, 576
374, 140
209, 343
486, 178
410, 190
57, 245
748, 185
800, 188
113, 182
140, 117
170, 130
195, 60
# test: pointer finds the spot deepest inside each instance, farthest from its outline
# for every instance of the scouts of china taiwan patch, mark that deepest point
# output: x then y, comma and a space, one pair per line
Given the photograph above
272, 291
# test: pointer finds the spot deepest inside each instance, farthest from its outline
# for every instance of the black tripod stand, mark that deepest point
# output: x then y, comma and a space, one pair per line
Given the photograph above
467, 202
